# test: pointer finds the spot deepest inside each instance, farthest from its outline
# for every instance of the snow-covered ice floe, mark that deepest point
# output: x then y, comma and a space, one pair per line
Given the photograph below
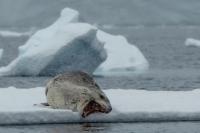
68, 44
18, 107
192, 42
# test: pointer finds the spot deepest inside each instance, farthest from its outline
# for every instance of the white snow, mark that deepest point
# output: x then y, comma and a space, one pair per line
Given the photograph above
60, 47
122, 56
192, 42
1, 53
17, 107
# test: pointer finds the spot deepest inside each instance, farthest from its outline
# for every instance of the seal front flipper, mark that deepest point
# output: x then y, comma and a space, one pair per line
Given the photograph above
45, 104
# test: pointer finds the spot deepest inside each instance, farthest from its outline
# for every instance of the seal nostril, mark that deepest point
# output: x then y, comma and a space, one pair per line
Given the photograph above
83, 115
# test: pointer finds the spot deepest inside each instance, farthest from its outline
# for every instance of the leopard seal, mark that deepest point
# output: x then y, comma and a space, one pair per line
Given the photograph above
77, 91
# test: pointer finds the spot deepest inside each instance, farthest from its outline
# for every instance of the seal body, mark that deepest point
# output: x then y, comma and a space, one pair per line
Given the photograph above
77, 91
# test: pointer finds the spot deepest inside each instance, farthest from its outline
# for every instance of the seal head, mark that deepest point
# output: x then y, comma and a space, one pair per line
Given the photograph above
98, 103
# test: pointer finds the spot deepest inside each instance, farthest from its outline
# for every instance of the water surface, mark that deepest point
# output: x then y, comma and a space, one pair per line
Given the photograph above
169, 127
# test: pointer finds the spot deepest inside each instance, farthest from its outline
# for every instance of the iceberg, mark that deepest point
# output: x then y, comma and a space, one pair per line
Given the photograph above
69, 45
22, 106
60, 47
122, 56
192, 42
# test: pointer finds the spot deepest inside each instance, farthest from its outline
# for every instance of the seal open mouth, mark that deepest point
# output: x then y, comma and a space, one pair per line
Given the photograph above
93, 107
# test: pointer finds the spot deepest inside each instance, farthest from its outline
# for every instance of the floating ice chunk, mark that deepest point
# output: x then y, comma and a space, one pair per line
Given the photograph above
192, 42
122, 56
7, 33
17, 107
49, 52
1, 53
60, 47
